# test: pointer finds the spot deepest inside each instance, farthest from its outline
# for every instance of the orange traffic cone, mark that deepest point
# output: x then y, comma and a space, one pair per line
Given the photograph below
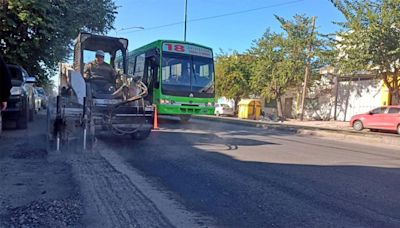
155, 121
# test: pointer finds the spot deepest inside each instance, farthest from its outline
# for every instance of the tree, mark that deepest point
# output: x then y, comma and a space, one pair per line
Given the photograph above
233, 74
282, 58
271, 77
369, 40
38, 34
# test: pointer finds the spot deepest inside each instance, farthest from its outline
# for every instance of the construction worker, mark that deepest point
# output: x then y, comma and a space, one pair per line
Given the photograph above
98, 69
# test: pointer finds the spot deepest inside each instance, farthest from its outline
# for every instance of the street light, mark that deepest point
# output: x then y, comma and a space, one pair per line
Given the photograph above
123, 29
185, 19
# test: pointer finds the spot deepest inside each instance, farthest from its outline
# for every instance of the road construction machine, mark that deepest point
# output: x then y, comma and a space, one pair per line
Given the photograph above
87, 107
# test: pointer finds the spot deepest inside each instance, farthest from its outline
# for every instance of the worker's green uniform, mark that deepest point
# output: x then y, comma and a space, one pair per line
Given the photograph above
96, 70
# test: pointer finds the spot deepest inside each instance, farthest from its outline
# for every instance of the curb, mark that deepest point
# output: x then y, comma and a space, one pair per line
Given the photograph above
367, 137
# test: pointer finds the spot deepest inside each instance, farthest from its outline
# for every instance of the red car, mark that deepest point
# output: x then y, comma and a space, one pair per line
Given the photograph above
382, 118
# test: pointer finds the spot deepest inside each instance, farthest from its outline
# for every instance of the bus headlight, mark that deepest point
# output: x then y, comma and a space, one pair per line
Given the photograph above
210, 104
165, 101
16, 91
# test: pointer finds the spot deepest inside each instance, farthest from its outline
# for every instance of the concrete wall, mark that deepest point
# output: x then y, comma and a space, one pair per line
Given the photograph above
354, 97
357, 97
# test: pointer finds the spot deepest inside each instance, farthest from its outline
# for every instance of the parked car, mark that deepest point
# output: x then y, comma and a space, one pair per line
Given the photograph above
21, 104
223, 110
382, 118
43, 97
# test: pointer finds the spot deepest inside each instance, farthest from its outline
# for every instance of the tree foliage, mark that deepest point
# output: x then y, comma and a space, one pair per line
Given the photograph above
369, 39
282, 57
272, 73
37, 34
275, 63
233, 75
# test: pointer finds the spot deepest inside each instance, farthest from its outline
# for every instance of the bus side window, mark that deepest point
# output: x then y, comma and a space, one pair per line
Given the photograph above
131, 64
118, 61
155, 66
139, 65
151, 73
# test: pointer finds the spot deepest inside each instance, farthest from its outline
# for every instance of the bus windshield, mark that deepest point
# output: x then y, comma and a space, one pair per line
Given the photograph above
187, 74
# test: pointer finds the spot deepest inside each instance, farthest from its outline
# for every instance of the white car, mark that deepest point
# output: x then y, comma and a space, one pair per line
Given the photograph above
38, 100
224, 110
43, 97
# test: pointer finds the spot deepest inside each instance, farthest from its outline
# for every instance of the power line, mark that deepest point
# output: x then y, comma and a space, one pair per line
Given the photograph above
218, 16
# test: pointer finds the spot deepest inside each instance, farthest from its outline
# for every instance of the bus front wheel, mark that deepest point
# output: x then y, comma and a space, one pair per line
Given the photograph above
185, 118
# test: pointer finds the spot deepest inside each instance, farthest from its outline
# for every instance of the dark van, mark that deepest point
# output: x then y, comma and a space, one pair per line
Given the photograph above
21, 104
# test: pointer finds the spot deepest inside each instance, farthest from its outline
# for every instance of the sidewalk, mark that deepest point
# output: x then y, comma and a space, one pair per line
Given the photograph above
290, 123
335, 130
340, 125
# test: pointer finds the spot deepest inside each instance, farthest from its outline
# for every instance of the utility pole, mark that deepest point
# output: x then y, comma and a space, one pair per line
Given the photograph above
184, 36
308, 70
336, 80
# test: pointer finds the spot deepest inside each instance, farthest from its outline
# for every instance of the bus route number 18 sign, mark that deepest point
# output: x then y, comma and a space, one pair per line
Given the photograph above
187, 49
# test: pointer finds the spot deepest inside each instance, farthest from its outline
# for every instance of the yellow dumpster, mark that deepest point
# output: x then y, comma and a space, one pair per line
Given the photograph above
250, 109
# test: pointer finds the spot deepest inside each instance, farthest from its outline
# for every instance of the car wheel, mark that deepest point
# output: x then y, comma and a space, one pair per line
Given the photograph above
398, 129
22, 121
358, 125
141, 135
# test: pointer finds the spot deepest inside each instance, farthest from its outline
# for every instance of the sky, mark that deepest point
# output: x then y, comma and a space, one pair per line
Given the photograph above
235, 31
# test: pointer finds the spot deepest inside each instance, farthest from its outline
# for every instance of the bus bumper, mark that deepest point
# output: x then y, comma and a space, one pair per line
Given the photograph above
184, 110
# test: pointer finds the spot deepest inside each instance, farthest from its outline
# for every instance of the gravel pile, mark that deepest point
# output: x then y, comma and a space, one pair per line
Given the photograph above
44, 213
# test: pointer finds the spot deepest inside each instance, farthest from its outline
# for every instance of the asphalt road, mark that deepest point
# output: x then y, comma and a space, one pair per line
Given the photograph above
200, 174
250, 177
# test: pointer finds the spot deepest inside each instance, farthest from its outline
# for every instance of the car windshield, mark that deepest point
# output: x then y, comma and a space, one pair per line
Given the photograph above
187, 73
379, 110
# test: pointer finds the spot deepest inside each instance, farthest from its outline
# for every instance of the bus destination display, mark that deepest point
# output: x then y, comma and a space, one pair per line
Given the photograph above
187, 49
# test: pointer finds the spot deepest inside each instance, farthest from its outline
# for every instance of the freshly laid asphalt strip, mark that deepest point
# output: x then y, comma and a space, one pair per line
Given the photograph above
250, 177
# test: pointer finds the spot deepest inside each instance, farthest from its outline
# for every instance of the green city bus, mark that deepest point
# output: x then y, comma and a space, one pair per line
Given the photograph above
179, 75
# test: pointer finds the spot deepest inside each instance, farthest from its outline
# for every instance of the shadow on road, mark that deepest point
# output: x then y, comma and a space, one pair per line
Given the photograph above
241, 193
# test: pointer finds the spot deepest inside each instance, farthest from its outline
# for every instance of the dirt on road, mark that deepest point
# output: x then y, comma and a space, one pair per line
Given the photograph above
76, 188
35, 192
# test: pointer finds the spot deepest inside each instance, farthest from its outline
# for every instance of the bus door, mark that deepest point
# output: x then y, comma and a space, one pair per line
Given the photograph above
150, 77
